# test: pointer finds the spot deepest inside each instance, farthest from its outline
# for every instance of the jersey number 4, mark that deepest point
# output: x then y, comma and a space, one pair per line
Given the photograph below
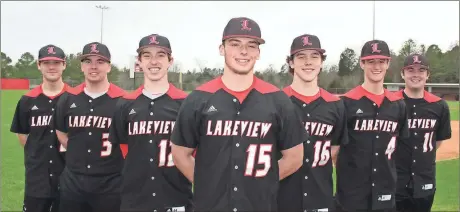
322, 153
263, 151
391, 147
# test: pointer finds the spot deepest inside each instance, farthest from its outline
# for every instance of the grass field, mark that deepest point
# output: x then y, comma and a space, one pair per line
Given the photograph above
12, 167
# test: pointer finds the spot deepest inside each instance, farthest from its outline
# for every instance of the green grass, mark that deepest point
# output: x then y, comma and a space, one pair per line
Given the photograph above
454, 108
12, 167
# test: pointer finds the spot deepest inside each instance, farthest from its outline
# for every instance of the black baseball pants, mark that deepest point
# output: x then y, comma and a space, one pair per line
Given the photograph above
410, 204
35, 204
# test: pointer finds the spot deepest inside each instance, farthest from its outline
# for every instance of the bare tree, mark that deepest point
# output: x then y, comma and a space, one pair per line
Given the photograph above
200, 63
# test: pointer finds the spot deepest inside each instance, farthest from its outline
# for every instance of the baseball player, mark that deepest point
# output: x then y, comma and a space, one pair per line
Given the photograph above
376, 119
429, 125
31, 122
323, 115
238, 124
144, 120
92, 176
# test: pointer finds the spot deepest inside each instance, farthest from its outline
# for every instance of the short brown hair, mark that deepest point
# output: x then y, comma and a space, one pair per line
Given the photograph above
141, 52
291, 58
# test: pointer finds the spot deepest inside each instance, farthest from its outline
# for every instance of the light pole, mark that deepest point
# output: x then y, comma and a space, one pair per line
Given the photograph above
373, 21
102, 16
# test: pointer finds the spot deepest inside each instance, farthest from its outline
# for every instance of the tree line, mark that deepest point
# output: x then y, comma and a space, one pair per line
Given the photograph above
345, 75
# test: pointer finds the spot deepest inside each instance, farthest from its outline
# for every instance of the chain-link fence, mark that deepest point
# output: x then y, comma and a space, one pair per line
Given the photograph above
187, 84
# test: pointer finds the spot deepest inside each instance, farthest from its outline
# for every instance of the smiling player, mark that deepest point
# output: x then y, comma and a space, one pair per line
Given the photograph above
31, 122
238, 125
376, 119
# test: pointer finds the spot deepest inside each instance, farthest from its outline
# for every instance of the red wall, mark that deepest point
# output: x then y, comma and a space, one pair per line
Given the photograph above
14, 84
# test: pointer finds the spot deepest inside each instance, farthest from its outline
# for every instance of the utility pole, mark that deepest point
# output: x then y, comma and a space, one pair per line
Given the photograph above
373, 21
102, 16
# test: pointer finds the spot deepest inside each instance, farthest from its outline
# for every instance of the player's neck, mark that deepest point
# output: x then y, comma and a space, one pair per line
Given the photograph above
237, 82
52, 88
156, 87
414, 93
305, 88
372, 87
98, 87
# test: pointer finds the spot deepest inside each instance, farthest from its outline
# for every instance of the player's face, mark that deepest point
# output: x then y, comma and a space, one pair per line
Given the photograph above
375, 69
240, 54
307, 65
155, 63
415, 76
95, 68
51, 69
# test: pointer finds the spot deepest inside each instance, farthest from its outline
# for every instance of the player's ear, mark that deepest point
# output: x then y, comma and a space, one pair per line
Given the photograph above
291, 63
361, 64
38, 65
402, 74
222, 49
171, 60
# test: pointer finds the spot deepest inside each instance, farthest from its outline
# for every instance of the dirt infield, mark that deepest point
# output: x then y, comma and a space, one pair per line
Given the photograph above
449, 149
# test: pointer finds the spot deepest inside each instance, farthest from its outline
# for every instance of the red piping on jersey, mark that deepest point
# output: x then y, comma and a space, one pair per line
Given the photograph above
429, 97
114, 91
217, 84
172, 92
124, 149
359, 92
39, 90
328, 97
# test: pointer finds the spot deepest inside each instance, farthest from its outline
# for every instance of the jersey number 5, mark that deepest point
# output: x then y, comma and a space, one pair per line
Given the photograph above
322, 153
264, 158
107, 144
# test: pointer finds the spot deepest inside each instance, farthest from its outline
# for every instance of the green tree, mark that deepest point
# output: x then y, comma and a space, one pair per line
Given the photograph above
6, 66
348, 61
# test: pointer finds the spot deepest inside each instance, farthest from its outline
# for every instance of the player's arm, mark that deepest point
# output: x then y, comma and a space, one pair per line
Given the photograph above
340, 136
444, 130
185, 136
118, 128
59, 120
403, 122
292, 135
20, 122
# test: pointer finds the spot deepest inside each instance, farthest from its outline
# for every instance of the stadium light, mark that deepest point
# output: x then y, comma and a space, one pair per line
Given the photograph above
102, 16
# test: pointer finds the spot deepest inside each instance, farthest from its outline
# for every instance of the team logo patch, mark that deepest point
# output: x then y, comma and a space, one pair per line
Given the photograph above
427, 187
176, 209
384, 197
212, 109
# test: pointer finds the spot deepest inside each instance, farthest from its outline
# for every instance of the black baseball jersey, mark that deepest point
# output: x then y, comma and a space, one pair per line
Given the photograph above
237, 141
151, 181
366, 172
86, 121
429, 121
43, 159
311, 187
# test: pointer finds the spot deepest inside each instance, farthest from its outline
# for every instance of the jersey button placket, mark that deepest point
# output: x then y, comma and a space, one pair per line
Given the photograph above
236, 175
88, 166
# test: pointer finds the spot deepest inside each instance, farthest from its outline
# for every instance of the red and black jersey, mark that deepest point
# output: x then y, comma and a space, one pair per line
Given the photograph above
238, 136
150, 179
86, 121
429, 121
43, 157
366, 172
311, 187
